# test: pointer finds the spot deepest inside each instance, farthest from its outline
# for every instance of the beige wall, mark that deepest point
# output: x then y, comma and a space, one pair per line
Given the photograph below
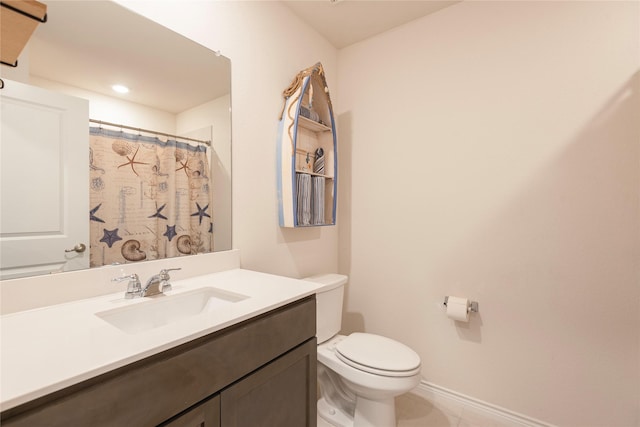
267, 46
492, 151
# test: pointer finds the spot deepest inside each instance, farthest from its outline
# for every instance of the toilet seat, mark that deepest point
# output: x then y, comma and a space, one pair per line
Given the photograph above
378, 355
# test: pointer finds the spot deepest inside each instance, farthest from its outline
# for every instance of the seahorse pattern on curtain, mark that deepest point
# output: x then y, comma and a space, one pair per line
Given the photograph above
150, 199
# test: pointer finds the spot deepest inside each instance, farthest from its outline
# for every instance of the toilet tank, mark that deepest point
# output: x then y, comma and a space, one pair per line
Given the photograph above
328, 304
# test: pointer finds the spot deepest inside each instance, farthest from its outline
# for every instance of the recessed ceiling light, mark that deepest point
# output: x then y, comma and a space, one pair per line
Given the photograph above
120, 88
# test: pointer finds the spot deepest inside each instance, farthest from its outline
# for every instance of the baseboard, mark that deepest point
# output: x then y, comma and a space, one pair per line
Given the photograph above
428, 391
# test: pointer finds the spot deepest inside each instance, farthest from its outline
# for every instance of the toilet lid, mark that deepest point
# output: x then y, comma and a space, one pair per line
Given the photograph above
378, 355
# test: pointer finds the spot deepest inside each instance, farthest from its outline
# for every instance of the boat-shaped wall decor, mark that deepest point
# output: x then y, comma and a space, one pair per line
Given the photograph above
307, 153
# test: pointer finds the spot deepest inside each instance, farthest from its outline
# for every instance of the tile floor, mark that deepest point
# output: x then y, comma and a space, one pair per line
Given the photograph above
416, 411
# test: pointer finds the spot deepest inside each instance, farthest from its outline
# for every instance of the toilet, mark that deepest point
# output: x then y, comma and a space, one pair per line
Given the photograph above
360, 374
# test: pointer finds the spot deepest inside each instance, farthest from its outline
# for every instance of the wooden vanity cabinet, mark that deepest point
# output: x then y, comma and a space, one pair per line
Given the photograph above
205, 414
261, 372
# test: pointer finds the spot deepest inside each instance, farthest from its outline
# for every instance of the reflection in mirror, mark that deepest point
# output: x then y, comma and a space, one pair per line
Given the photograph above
145, 152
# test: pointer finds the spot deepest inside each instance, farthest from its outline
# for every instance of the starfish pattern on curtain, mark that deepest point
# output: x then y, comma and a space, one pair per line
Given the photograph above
150, 199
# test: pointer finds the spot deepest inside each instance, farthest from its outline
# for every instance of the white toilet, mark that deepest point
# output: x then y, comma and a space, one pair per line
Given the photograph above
359, 375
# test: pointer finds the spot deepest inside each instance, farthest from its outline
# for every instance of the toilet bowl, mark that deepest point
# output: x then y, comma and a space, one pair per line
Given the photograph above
359, 375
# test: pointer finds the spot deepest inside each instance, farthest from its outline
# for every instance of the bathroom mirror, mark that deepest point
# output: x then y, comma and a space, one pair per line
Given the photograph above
87, 46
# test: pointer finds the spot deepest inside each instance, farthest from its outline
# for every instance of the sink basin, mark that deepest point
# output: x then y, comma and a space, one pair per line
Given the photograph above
165, 309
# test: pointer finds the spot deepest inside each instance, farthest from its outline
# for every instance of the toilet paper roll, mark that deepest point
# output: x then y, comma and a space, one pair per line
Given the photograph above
457, 309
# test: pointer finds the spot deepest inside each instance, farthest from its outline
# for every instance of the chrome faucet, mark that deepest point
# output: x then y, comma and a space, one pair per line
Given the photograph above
158, 283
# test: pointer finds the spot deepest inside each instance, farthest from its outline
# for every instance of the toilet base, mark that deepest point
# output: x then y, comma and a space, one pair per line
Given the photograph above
375, 413
368, 413
332, 415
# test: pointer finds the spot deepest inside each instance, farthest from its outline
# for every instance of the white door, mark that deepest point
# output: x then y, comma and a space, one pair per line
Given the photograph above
44, 181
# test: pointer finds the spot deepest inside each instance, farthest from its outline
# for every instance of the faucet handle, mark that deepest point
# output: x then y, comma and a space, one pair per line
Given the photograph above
134, 288
125, 277
167, 270
164, 276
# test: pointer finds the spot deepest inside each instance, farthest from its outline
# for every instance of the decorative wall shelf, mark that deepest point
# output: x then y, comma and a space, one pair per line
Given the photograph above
307, 147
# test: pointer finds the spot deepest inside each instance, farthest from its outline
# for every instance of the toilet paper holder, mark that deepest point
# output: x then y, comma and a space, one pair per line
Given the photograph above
472, 306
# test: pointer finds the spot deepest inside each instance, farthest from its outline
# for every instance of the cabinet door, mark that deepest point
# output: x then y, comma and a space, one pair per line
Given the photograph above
282, 393
206, 414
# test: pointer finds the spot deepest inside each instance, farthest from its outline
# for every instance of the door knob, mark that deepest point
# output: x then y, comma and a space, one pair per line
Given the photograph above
80, 247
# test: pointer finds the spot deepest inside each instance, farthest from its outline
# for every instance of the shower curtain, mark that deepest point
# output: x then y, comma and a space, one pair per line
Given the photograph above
150, 199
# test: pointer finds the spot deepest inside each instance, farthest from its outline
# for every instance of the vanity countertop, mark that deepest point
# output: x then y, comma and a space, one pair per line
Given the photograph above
50, 348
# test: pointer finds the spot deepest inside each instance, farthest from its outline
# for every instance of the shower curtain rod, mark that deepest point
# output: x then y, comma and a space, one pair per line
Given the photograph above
100, 122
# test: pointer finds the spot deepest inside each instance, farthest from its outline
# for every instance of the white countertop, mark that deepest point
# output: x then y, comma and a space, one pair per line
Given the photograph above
50, 348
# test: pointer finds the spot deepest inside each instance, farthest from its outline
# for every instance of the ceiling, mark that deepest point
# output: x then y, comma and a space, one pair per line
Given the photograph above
345, 22
95, 44
77, 30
